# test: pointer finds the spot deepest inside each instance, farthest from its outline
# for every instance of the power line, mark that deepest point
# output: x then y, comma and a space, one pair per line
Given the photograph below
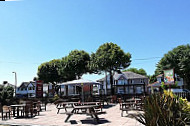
12, 62
148, 58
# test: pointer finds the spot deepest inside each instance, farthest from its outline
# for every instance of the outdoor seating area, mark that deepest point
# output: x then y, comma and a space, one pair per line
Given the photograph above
131, 104
88, 108
24, 109
66, 113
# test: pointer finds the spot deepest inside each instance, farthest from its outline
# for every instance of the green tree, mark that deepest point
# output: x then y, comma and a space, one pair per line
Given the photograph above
109, 58
138, 71
76, 63
152, 78
6, 94
179, 59
49, 71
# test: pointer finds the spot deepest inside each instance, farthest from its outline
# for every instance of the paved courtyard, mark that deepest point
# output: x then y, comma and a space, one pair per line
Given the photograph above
51, 118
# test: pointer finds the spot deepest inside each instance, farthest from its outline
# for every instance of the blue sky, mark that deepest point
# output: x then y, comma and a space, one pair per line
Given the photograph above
36, 31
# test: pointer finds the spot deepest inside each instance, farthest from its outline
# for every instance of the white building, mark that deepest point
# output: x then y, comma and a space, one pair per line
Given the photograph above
26, 89
156, 85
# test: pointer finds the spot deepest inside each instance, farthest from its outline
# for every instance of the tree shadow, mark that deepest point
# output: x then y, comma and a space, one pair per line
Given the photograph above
108, 106
132, 115
91, 121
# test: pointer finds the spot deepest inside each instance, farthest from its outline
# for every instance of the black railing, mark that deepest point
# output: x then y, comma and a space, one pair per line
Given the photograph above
183, 95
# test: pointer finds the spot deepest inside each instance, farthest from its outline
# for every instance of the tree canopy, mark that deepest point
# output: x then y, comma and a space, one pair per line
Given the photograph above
138, 71
68, 68
77, 62
177, 59
6, 94
110, 57
152, 78
49, 71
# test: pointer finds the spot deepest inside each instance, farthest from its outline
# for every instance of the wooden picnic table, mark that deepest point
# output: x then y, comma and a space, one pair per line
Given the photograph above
18, 108
133, 100
131, 104
89, 111
64, 105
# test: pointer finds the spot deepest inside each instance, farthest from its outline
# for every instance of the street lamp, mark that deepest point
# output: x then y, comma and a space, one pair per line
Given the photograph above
15, 82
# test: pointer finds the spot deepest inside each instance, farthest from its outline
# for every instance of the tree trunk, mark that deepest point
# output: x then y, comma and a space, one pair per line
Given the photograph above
106, 83
111, 83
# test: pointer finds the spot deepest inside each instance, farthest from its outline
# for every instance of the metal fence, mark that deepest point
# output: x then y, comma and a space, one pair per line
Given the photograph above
183, 95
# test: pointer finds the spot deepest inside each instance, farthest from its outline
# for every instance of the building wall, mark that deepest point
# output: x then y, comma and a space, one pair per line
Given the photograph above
131, 85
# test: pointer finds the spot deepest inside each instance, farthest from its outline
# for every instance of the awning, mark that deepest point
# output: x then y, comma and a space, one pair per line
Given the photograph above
155, 84
80, 82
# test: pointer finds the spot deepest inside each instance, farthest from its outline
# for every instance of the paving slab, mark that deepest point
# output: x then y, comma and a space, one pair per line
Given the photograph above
51, 118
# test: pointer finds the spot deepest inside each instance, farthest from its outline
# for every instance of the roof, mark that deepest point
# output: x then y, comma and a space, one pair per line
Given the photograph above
79, 82
161, 75
127, 74
102, 79
132, 75
155, 84
25, 84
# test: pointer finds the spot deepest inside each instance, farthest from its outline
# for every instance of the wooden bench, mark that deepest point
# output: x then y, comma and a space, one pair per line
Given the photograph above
131, 105
126, 107
89, 111
61, 106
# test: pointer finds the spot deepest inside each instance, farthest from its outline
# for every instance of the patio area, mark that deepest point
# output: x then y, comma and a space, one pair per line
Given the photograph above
50, 118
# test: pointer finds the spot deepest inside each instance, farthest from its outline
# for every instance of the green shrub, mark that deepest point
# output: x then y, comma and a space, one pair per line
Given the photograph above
165, 110
56, 97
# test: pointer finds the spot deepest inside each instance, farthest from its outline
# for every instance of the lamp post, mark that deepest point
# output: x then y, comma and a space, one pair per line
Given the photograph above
15, 82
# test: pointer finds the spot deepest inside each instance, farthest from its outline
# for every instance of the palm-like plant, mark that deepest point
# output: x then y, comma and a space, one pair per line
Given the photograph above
165, 110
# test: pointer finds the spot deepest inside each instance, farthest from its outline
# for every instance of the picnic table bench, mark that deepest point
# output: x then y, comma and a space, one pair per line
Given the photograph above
131, 104
89, 110
65, 105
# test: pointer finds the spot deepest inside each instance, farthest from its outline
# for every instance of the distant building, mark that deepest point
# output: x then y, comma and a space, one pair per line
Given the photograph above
125, 83
30, 89
26, 89
160, 78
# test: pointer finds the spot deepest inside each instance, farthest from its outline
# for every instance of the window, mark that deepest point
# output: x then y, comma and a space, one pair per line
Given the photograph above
122, 82
73, 89
142, 80
120, 90
31, 88
138, 90
131, 89
125, 81
127, 90
131, 81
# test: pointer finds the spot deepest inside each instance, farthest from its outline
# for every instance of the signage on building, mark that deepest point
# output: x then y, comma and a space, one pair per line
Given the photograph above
39, 89
169, 76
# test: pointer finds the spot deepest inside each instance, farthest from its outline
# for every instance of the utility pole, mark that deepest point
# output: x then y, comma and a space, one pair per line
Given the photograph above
15, 82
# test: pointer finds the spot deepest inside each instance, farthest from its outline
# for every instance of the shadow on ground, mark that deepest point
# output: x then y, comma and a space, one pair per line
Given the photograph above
132, 115
108, 106
91, 121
